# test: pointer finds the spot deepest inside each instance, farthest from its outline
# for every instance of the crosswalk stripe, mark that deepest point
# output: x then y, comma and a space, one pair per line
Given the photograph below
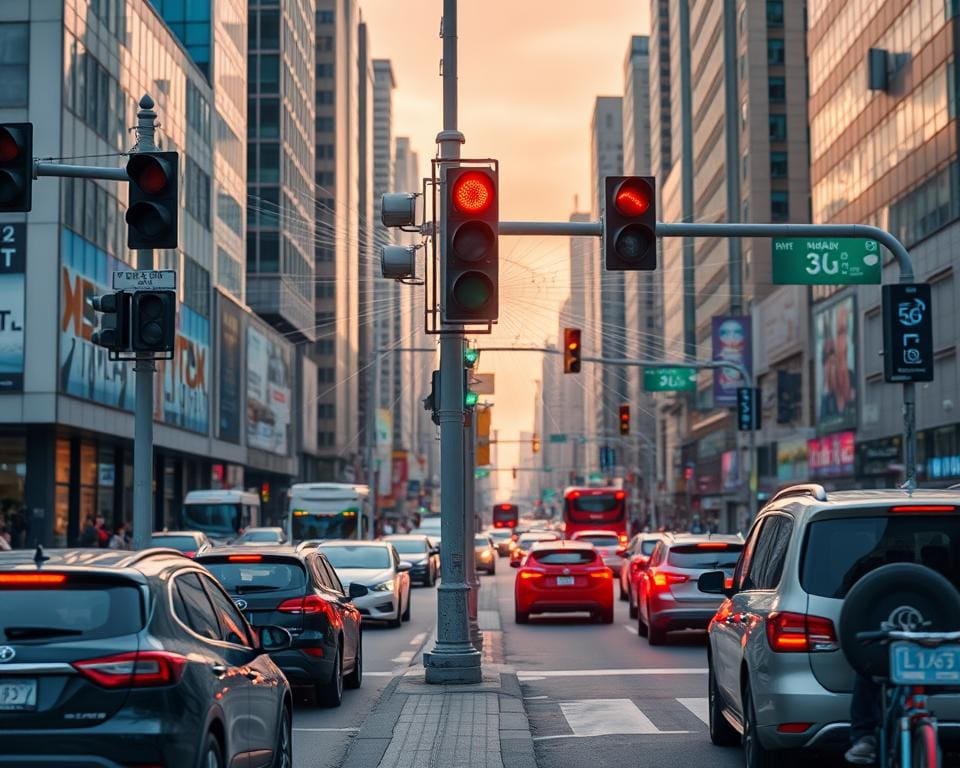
699, 707
404, 657
601, 717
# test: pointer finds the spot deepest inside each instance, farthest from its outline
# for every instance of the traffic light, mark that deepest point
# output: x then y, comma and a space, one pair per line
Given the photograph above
535, 443
153, 212
432, 401
472, 261
630, 223
571, 350
470, 357
153, 321
624, 419
748, 409
16, 167
113, 330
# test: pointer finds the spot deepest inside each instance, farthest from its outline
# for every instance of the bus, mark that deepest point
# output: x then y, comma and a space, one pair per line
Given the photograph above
595, 509
505, 515
222, 515
328, 511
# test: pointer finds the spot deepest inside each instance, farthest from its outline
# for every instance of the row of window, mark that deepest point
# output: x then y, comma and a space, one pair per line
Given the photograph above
14, 64
327, 439
927, 208
95, 96
197, 184
229, 273
267, 23
196, 287
198, 112
230, 212
326, 411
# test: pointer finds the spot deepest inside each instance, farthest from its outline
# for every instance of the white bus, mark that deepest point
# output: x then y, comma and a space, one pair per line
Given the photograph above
328, 511
222, 515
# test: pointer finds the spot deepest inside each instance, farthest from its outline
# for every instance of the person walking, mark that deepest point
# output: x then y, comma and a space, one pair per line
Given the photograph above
119, 538
89, 536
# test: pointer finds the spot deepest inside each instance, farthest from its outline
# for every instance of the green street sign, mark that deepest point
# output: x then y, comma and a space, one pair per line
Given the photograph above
826, 261
667, 379
559, 438
481, 473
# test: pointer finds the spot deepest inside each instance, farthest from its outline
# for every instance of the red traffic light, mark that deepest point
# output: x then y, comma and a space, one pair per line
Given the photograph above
624, 419
16, 167
571, 350
149, 172
9, 145
473, 192
630, 223
633, 197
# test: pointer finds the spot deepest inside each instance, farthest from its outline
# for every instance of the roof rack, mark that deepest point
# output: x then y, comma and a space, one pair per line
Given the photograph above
144, 554
805, 489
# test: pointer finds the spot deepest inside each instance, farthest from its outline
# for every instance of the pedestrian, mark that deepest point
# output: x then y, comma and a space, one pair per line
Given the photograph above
4, 539
119, 538
89, 536
103, 534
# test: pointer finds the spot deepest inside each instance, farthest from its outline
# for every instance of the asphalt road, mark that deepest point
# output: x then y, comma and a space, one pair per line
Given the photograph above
321, 736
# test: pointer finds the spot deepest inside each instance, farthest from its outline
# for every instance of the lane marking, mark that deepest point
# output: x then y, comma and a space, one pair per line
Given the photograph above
534, 698
418, 639
602, 717
699, 707
378, 674
540, 675
326, 730
630, 628
404, 657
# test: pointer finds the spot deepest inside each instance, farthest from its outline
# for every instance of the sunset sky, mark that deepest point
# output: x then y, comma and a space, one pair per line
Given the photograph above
530, 71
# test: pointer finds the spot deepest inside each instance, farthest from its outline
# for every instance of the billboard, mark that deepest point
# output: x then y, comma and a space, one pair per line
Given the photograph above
310, 397
835, 366
12, 266
831, 455
268, 392
384, 450
229, 408
732, 343
181, 386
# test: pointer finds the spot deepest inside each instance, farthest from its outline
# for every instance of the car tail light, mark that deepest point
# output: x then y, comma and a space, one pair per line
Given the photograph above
728, 582
622, 538
315, 652
793, 727
712, 545
190, 553
664, 580
32, 579
530, 575
799, 633
311, 604
638, 564
245, 558
140, 669
620, 495
923, 508
606, 573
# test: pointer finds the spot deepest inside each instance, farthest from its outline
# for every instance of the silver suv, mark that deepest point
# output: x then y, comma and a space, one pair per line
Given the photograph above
778, 681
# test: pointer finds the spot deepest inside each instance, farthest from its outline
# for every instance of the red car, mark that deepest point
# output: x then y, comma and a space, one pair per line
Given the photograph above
563, 577
635, 561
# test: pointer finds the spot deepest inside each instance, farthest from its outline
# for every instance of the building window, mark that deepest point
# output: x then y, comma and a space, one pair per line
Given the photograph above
196, 287
14, 64
774, 13
325, 69
324, 97
325, 151
269, 79
270, 30
776, 54
230, 213
778, 165
326, 411
198, 112
325, 178
778, 127
327, 375
325, 124
228, 273
324, 254
325, 17
324, 290
325, 43
269, 167
198, 193
327, 440
780, 205
777, 89
269, 247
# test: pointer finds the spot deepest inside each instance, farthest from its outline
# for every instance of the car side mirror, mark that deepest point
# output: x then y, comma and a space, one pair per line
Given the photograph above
714, 583
273, 639
354, 591
404, 566
514, 563
622, 552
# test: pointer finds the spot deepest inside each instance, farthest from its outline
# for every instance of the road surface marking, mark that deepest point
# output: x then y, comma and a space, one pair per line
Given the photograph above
534, 698
698, 707
404, 657
327, 730
630, 628
540, 675
418, 639
602, 717
379, 674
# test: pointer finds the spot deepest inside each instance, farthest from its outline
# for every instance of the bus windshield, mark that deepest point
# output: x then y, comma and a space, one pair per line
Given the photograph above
325, 525
215, 520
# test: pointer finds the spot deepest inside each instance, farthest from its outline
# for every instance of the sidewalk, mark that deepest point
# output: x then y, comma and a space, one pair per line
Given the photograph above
451, 726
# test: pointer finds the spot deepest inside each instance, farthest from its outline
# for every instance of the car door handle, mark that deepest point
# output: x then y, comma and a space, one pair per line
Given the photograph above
219, 669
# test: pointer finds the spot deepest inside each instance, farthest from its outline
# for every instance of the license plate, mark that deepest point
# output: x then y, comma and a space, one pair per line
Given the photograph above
915, 665
18, 694
564, 581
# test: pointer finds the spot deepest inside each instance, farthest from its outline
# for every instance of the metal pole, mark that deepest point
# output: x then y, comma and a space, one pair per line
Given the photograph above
470, 517
144, 369
453, 659
373, 397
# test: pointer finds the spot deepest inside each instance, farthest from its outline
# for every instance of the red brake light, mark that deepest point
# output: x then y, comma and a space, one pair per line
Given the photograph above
633, 197
190, 553
499, 524
575, 494
140, 669
793, 727
799, 633
620, 495
473, 192
32, 579
663, 580
530, 574
921, 508
308, 605
728, 582
505, 507
606, 573
315, 652
622, 538
245, 558
712, 545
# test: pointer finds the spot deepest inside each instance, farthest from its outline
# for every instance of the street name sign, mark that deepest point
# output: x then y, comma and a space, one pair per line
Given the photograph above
145, 280
826, 261
558, 438
668, 379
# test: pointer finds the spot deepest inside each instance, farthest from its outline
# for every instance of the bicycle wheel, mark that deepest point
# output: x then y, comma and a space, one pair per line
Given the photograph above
926, 750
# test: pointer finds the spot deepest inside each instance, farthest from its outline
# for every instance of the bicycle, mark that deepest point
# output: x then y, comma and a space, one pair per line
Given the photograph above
918, 661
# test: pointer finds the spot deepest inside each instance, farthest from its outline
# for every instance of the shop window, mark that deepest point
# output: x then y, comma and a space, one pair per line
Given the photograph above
106, 480
61, 514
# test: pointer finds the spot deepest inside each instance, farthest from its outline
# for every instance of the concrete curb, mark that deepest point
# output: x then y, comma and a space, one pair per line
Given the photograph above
369, 745
516, 740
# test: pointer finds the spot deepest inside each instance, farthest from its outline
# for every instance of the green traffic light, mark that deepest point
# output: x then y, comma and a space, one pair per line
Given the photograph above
481, 473
470, 356
471, 399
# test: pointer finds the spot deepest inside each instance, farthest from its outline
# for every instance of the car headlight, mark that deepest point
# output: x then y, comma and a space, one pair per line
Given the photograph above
486, 554
383, 586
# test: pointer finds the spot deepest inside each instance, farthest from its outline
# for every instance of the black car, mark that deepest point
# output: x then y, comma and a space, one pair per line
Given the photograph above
111, 658
421, 552
298, 590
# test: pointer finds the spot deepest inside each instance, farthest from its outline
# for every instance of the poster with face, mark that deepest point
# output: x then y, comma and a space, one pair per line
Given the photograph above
835, 366
732, 343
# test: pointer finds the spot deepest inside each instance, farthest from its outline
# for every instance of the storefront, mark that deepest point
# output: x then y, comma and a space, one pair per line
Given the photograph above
831, 460
880, 463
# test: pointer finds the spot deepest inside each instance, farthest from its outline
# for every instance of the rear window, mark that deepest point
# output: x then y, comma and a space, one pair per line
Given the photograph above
409, 546
83, 611
181, 543
600, 541
707, 557
840, 552
594, 503
260, 536
266, 576
565, 557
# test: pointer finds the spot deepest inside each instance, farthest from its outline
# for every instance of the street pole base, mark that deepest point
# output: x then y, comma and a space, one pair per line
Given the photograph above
458, 665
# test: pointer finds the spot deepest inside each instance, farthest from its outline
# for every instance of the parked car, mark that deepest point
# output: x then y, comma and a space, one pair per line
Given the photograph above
561, 577
422, 554
258, 537
669, 598
298, 589
485, 553
191, 543
134, 658
778, 680
526, 540
635, 560
377, 566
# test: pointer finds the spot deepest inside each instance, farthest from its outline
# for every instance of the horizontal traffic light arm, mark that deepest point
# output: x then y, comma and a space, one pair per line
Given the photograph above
79, 171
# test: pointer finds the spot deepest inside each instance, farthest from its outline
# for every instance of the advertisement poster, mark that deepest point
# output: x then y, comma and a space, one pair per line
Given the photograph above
268, 393
231, 398
835, 366
831, 455
791, 460
731, 344
85, 369
185, 398
400, 472
384, 457
13, 250
309, 409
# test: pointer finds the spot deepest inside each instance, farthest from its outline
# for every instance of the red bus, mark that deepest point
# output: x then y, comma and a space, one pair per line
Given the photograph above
505, 515
595, 509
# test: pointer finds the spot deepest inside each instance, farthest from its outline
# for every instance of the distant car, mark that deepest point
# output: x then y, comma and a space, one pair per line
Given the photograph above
501, 540
116, 658
191, 543
635, 561
421, 552
561, 577
526, 540
259, 536
377, 566
607, 543
669, 598
298, 589
485, 553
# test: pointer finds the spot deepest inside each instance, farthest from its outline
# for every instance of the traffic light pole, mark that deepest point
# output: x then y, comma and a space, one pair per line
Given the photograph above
453, 659
470, 502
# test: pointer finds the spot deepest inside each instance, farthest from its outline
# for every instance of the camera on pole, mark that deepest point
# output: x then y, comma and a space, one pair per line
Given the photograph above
630, 223
16, 167
153, 211
113, 328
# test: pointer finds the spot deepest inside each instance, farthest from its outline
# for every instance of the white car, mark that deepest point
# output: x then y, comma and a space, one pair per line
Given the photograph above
377, 566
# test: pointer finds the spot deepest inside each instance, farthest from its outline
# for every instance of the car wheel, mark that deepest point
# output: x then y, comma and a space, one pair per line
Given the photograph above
406, 611
212, 755
606, 615
283, 754
655, 635
394, 623
330, 694
523, 617
641, 626
754, 753
623, 593
355, 678
722, 734
631, 603
493, 569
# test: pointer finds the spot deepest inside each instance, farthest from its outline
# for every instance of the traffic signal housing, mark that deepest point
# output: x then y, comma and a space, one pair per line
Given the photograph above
153, 211
153, 321
571, 350
472, 258
630, 223
16, 167
113, 328
624, 419
535, 443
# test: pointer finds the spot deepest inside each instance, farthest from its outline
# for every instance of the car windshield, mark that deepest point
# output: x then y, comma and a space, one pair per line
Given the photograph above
409, 546
358, 557
839, 552
565, 557
600, 540
260, 536
258, 577
705, 555
181, 543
